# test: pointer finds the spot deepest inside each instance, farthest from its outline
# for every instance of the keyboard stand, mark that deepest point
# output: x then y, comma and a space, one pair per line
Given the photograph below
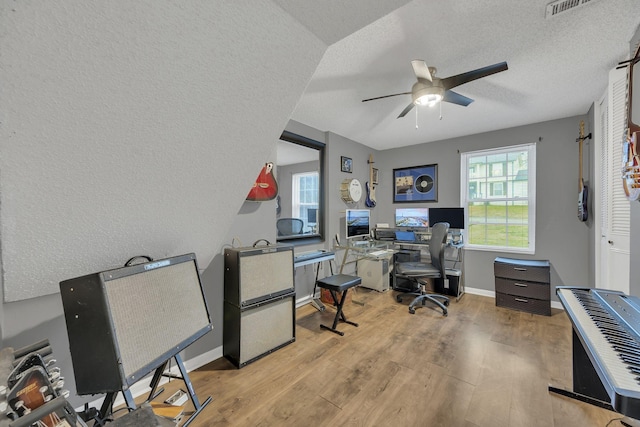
324, 256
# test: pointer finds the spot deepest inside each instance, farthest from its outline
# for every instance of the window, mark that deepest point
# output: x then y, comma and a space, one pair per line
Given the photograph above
305, 196
497, 169
498, 193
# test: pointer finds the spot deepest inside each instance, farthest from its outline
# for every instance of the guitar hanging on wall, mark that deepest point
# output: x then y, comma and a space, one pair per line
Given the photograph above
630, 156
265, 188
370, 201
583, 212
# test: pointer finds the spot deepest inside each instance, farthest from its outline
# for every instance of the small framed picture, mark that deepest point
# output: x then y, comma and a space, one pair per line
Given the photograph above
346, 164
374, 176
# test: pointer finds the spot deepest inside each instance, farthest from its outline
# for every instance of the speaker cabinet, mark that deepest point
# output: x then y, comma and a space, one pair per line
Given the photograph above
259, 302
256, 274
124, 323
254, 332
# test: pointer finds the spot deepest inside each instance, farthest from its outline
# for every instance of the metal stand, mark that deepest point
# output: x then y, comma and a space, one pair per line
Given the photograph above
317, 302
339, 313
326, 256
581, 397
339, 283
626, 421
107, 405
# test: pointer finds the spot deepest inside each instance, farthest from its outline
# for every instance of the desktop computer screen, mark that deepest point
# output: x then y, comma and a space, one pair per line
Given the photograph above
312, 215
358, 223
412, 217
454, 216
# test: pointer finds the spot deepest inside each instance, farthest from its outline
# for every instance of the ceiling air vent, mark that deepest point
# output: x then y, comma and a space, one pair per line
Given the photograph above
561, 6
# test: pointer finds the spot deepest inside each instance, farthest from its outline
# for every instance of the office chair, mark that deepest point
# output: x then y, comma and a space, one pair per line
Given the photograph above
415, 271
289, 226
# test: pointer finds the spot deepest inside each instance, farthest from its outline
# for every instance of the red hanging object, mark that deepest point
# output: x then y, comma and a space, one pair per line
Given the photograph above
265, 188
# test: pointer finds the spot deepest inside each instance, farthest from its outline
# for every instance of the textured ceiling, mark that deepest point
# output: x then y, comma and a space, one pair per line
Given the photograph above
557, 68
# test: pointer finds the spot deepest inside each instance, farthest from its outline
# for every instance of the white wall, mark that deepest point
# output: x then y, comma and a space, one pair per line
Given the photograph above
126, 125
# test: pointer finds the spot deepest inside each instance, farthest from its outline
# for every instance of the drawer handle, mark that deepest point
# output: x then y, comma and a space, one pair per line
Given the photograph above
519, 269
521, 300
522, 285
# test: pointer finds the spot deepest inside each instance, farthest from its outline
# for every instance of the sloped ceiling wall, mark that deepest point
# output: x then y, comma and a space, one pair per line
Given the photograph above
131, 128
124, 125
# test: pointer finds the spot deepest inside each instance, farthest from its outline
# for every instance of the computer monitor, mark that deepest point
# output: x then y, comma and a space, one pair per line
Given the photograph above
412, 217
454, 216
312, 215
358, 222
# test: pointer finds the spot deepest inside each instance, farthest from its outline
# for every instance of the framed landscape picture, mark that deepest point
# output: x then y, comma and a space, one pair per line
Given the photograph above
415, 184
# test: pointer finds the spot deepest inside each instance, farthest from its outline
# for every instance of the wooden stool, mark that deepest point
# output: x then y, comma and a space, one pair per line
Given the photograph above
339, 283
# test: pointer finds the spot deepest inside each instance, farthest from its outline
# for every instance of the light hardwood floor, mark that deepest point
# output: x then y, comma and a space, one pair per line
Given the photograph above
480, 366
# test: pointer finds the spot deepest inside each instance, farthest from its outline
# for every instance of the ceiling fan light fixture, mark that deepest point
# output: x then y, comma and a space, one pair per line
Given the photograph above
429, 94
430, 100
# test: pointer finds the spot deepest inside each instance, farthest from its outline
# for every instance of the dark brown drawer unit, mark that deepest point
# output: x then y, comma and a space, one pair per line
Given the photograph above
523, 285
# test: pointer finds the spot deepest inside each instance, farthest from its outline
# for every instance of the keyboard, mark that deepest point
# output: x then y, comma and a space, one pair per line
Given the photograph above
378, 253
312, 257
607, 324
309, 255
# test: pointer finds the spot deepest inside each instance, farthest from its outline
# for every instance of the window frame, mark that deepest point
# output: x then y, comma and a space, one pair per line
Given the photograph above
465, 200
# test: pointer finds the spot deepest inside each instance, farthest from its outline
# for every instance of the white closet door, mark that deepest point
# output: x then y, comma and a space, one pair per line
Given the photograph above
613, 205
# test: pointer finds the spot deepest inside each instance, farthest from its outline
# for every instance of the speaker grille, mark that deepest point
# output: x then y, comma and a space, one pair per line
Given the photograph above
154, 312
265, 274
265, 328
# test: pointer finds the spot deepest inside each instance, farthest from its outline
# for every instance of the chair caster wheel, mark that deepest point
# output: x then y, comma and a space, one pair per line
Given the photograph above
411, 310
445, 314
446, 303
399, 298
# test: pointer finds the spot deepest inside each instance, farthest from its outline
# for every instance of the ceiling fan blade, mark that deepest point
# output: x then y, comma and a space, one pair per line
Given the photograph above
421, 69
456, 98
460, 79
406, 110
386, 96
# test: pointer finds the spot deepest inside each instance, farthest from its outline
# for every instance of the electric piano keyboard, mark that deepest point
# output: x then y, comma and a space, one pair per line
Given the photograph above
607, 325
312, 257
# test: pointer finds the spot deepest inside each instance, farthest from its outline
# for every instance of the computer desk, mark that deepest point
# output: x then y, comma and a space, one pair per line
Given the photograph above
372, 249
385, 249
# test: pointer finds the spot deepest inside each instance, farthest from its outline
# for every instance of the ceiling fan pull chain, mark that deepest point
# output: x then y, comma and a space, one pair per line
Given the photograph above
440, 110
417, 118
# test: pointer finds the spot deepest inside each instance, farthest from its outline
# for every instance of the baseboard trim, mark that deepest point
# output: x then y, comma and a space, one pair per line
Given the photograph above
141, 387
303, 301
481, 292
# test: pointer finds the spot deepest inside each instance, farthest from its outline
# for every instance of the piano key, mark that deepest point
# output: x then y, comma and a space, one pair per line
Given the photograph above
611, 368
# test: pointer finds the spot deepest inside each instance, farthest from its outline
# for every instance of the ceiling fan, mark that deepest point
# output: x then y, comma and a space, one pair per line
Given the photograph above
429, 89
